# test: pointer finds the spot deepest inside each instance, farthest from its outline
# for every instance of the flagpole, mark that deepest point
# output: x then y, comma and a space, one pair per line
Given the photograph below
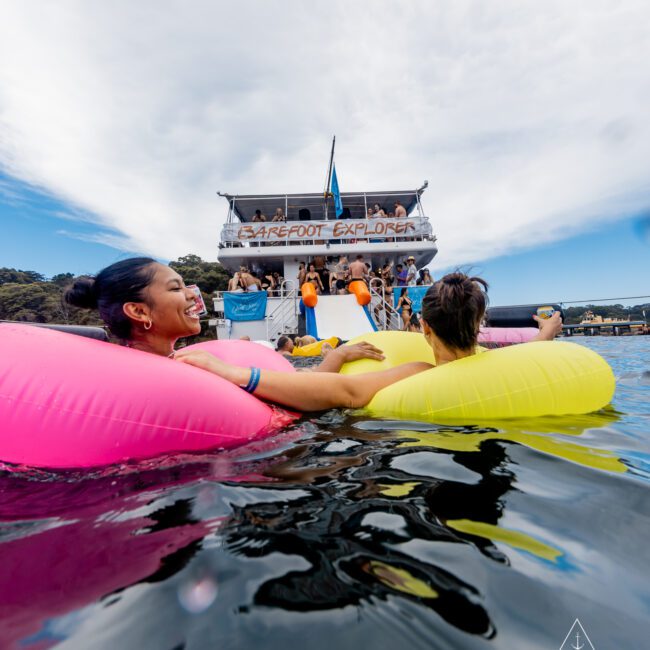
329, 171
329, 179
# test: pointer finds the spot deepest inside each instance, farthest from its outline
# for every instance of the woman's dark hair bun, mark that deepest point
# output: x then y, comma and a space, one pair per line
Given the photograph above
83, 293
454, 279
453, 308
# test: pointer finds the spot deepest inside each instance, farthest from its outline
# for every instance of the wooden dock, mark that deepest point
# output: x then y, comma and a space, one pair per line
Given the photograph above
617, 328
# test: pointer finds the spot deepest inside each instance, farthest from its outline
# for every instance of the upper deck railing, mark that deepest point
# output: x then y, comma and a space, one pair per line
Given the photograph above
345, 231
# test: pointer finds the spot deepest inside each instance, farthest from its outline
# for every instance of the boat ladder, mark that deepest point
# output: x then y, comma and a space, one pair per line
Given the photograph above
284, 318
385, 315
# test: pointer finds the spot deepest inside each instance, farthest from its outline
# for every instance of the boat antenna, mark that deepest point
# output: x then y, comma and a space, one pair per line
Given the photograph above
329, 171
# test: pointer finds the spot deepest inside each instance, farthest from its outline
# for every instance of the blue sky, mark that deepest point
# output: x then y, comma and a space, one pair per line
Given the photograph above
608, 262
529, 120
33, 234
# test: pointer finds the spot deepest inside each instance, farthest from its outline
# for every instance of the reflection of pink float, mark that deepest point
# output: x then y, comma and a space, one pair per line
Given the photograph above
68, 401
87, 539
507, 335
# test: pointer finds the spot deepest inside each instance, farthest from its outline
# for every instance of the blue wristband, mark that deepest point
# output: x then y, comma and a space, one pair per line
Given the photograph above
253, 381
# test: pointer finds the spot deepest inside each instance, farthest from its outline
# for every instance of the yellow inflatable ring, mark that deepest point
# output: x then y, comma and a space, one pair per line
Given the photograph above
528, 380
314, 349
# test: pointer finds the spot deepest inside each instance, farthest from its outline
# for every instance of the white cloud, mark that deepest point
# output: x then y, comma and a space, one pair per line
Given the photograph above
528, 119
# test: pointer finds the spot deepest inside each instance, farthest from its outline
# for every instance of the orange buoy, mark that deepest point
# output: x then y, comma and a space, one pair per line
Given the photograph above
361, 291
309, 295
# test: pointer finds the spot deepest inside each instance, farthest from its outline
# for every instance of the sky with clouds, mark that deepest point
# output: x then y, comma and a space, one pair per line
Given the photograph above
528, 119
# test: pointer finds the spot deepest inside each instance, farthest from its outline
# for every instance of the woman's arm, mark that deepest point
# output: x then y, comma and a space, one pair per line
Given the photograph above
314, 391
549, 328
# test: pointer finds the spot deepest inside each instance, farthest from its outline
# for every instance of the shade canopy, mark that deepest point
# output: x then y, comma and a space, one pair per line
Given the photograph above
307, 207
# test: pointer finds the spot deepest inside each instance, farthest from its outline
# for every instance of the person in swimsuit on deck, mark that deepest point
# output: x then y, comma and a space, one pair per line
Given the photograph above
359, 270
314, 278
405, 308
341, 273
268, 283
248, 281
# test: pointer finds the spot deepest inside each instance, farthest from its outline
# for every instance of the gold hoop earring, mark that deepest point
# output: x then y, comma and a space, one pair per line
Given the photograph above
148, 325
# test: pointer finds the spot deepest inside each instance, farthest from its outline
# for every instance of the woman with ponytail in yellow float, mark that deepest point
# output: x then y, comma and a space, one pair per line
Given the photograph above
444, 375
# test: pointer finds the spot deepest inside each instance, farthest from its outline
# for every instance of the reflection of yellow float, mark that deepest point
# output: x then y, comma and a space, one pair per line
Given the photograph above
463, 441
400, 580
513, 538
530, 380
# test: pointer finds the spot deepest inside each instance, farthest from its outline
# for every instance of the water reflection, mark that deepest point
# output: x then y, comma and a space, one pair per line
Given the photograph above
354, 532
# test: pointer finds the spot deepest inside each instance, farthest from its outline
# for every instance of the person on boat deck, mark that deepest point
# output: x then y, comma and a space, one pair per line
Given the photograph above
267, 282
248, 281
342, 273
425, 278
302, 274
400, 210
405, 308
411, 272
234, 284
378, 211
400, 274
359, 270
313, 277
147, 306
278, 280
451, 315
259, 217
370, 214
279, 215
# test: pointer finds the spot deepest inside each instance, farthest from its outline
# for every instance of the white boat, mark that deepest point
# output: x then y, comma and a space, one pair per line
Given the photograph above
312, 232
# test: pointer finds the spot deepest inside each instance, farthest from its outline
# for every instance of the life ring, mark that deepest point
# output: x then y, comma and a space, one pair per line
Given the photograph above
531, 380
72, 402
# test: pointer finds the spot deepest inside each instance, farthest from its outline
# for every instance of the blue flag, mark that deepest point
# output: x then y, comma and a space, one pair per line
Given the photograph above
338, 204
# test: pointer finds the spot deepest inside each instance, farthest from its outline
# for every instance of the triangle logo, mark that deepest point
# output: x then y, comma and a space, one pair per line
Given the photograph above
577, 638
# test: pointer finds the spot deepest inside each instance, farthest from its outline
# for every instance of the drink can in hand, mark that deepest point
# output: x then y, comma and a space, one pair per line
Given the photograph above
201, 309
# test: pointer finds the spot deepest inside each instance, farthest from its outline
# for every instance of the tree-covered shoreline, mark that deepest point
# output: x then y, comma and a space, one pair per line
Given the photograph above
29, 296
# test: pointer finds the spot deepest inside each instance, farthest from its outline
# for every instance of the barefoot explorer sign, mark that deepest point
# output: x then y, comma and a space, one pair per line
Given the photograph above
326, 230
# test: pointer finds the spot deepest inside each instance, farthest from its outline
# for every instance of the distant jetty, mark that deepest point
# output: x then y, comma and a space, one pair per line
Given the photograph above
594, 325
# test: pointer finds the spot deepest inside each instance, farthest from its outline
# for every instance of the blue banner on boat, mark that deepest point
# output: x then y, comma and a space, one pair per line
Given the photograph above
338, 203
244, 306
416, 294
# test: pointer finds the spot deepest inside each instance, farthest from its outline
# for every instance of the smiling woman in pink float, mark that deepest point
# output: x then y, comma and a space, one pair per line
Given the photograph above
144, 303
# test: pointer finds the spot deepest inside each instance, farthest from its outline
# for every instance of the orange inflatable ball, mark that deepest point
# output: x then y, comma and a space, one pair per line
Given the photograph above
309, 295
361, 291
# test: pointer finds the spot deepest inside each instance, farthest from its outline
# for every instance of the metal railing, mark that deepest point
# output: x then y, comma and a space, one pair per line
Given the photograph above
284, 290
385, 315
284, 318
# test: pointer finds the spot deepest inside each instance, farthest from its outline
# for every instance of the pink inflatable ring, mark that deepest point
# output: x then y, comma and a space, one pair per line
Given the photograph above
71, 402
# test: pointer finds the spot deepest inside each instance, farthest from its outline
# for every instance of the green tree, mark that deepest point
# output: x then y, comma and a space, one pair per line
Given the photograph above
62, 279
208, 276
14, 276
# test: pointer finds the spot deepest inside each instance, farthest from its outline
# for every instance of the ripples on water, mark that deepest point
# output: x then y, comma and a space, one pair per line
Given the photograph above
345, 532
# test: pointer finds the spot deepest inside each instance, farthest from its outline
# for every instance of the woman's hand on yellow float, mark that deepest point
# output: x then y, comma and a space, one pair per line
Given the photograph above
363, 350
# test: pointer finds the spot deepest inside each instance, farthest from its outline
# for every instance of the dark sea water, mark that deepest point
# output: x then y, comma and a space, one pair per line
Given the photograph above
345, 532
